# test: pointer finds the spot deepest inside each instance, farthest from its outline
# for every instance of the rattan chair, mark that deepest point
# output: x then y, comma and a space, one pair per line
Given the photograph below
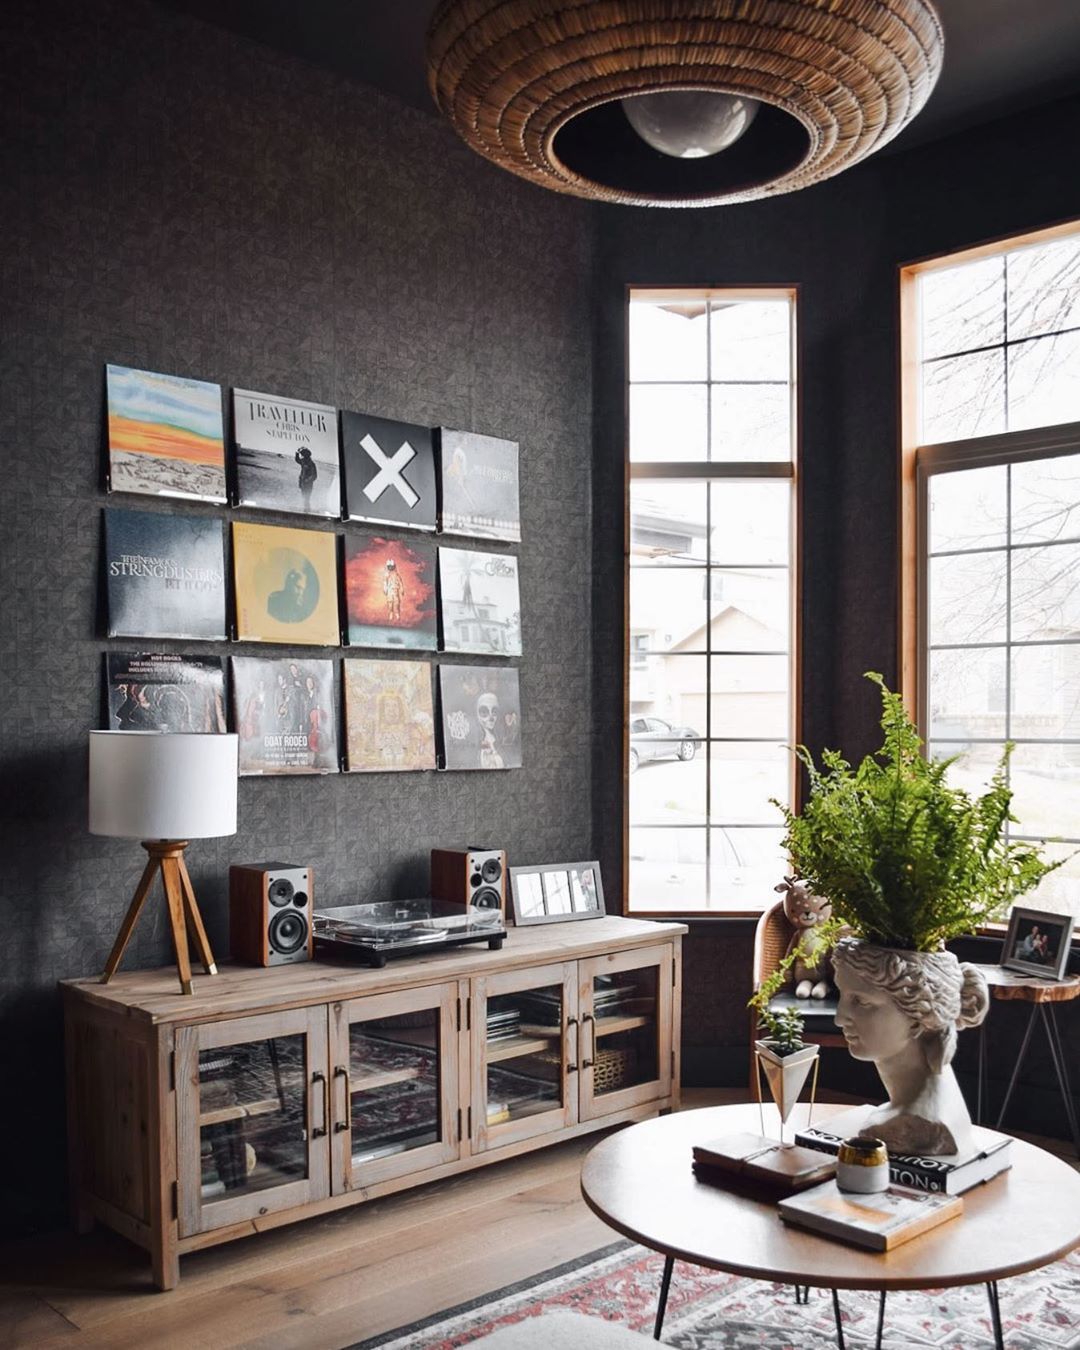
771, 939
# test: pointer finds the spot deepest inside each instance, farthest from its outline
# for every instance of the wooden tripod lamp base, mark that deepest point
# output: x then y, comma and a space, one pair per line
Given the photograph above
167, 856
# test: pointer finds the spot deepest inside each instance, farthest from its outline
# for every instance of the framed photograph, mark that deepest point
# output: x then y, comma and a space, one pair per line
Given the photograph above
166, 435
286, 585
286, 715
389, 471
286, 454
390, 592
1038, 943
164, 575
481, 717
556, 893
481, 604
479, 485
389, 716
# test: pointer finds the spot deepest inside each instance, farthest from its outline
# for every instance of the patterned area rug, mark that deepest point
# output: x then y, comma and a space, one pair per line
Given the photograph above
711, 1311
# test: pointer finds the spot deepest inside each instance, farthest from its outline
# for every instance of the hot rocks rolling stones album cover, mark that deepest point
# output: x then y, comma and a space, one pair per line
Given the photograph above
390, 592
286, 454
481, 717
164, 691
286, 585
164, 575
286, 715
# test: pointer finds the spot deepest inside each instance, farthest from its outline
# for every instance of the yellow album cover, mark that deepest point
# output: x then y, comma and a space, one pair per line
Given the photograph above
286, 585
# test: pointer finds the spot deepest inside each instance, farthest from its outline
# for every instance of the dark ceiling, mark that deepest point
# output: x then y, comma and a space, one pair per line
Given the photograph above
1000, 55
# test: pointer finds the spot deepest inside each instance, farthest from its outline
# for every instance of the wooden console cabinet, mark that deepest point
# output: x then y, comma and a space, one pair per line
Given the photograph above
273, 1095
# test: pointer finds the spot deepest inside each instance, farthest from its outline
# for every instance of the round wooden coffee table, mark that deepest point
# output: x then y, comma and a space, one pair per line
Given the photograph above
639, 1181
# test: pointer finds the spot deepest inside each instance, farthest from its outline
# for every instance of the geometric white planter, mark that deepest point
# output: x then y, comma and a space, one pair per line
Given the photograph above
785, 1074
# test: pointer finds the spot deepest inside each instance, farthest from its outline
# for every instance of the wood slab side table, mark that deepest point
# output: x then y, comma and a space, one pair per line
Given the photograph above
1043, 995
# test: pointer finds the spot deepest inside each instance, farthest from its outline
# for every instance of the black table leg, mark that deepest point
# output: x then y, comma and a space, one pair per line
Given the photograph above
1019, 1060
995, 1311
839, 1325
1061, 1068
880, 1321
665, 1285
802, 1293
980, 1089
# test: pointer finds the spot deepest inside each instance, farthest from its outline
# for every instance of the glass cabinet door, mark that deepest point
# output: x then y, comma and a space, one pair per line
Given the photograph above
253, 1105
524, 1054
395, 1084
626, 1045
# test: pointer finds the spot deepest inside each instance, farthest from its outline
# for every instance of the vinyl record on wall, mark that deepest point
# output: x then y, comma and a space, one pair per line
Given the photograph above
479, 480
286, 454
165, 691
286, 715
164, 575
390, 592
286, 585
481, 717
389, 471
389, 716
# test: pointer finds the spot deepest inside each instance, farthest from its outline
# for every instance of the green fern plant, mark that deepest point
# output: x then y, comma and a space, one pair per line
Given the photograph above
907, 860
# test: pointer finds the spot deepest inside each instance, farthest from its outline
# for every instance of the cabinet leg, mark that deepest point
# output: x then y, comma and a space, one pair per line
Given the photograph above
165, 1264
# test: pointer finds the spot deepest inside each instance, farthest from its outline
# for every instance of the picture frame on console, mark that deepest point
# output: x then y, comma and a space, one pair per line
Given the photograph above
1038, 943
556, 893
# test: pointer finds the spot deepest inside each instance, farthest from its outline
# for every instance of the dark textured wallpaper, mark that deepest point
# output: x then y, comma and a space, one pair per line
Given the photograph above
180, 200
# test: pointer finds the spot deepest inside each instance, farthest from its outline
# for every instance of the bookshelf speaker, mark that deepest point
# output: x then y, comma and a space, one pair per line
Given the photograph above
470, 876
270, 913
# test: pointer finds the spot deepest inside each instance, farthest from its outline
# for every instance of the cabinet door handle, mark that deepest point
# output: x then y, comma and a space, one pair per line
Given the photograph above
346, 1124
591, 1020
567, 1043
318, 1077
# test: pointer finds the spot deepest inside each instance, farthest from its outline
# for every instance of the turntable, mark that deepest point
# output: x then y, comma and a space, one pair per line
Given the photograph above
376, 932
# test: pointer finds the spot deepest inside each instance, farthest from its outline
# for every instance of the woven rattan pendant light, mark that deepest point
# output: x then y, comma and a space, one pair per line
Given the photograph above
535, 86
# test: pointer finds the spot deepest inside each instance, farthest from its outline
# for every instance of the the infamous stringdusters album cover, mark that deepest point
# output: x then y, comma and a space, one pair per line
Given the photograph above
389, 716
166, 435
389, 471
286, 454
286, 585
481, 717
481, 604
479, 485
390, 592
164, 575
164, 691
286, 715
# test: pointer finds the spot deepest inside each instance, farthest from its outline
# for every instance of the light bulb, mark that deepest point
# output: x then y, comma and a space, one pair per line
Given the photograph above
689, 123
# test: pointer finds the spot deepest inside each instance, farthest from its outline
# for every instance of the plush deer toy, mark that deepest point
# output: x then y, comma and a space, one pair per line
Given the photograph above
812, 971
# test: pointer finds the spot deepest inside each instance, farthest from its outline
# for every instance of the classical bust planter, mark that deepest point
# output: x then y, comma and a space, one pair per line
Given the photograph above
902, 1010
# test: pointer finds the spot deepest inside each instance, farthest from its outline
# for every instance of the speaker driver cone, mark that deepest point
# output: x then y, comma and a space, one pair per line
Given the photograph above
280, 891
487, 899
288, 932
491, 870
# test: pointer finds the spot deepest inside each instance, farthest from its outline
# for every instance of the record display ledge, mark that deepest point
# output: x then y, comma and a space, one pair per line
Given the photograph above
272, 1095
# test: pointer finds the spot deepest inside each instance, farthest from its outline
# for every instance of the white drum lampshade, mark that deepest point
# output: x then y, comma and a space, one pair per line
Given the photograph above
164, 788
162, 784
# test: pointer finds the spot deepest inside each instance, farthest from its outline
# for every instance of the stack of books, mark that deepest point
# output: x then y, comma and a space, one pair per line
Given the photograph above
751, 1159
947, 1174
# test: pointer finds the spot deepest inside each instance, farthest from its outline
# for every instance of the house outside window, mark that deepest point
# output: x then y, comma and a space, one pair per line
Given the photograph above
710, 634
991, 519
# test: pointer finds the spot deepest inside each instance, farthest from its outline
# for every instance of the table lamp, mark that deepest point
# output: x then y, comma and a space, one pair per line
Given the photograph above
164, 788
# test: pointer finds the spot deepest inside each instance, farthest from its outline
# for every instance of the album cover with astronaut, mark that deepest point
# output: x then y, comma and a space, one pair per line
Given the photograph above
286, 585
479, 480
389, 716
389, 471
481, 603
286, 454
390, 592
164, 691
481, 717
164, 575
286, 715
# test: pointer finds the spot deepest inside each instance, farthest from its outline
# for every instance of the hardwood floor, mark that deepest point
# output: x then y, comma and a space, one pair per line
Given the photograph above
323, 1283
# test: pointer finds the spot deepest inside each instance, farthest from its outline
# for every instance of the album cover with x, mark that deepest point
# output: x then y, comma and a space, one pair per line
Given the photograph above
389, 471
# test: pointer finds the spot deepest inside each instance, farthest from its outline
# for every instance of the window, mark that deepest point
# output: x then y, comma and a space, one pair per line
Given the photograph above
710, 645
992, 519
